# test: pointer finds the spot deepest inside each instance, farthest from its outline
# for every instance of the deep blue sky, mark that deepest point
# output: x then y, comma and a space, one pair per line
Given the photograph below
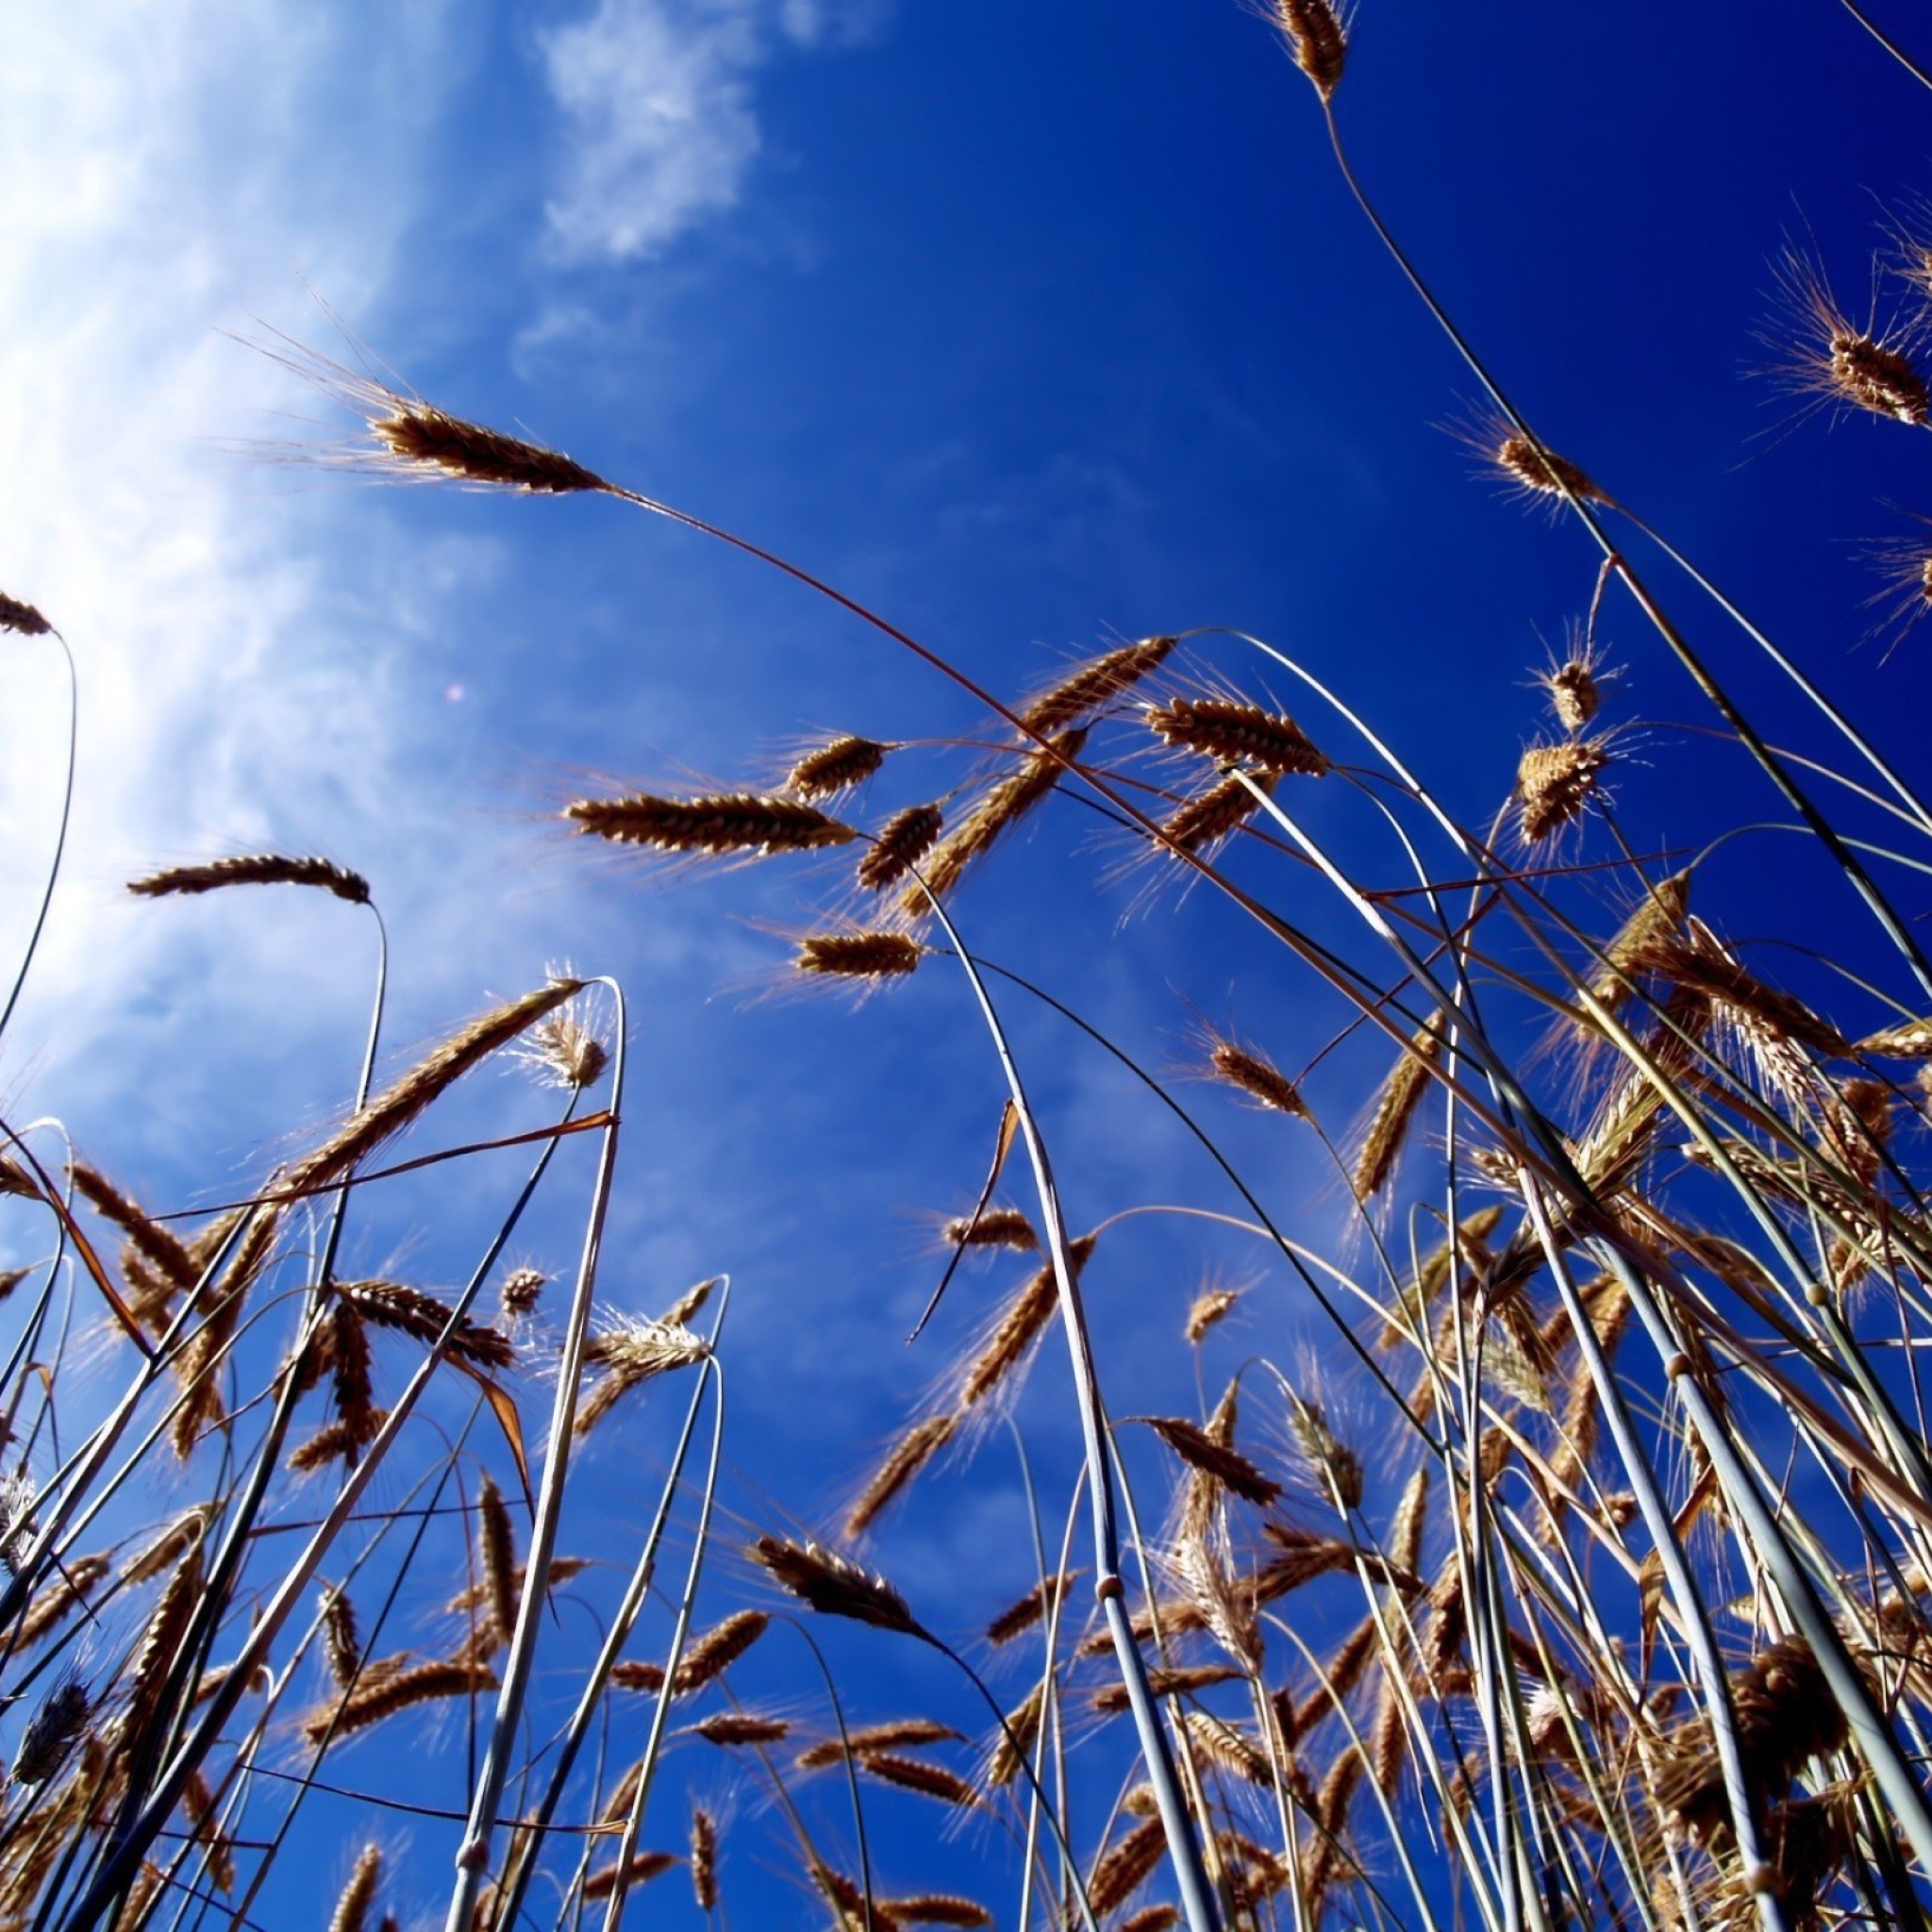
1035, 327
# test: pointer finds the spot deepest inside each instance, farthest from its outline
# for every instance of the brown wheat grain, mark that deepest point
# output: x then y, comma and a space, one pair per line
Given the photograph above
389, 1304
398, 1105
1019, 1326
729, 822
898, 1734
1227, 1467
1233, 732
642, 1868
22, 618
1208, 1308
704, 1859
1039, 1602
254, 869
1200, 823
1094, 684
834, 1585
902, 1462
876, 954
358, 1894
900, 844
1395, 1107
735, 1728
836, 766
998, 809
497, 1555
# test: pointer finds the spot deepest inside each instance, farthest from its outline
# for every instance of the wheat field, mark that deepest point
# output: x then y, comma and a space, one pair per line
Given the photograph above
1429, 1434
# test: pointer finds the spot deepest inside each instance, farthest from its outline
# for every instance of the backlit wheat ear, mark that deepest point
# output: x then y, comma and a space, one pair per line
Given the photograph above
389, 1304
915, 1775
1556, 782
523, 1288
881, 955
147, 1675
358, 1894
341, 1644
1152, 1918
257, 868
834, 1585
22, 618
836, 766
1330, 1459
162, 1554
1228, 1468
155, 1241
900, 844
348, 1344
497, 1558
1834, 359
999, 808
1396, 1106
52, 1732
1202, 823
417, 439
997, 1227
642, 1868
1911, 1041
631, 1351
717, 1649
898, 1734
1230, 1750
369, 1703
690, 1304
1699, 964
937, 1908
332, 1443
1655, 917
1019, 1326
1207, 1311
1076, 696
729, 1729
1231, 732
704, 1859
1178, 1680
1039, 1602
566, 1053
1315, 38
902, 1461
1126, 1866
395, 1109
1786, 1715
851, 1911
743, 821
59, 1598
1255, 1075
1574, 692
1018, 1734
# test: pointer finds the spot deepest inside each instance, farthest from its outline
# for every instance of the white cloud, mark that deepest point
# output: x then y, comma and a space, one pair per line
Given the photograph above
163, 166
660, 129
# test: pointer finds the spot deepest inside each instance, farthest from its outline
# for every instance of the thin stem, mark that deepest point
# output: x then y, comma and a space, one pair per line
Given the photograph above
61, 841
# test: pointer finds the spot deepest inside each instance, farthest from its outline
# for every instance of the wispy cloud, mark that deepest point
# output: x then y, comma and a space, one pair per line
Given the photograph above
658, 117
153, 195
661, 126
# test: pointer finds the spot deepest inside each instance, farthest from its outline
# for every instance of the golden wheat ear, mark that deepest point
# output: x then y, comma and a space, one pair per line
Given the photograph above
728, 822
256, 869
23, 618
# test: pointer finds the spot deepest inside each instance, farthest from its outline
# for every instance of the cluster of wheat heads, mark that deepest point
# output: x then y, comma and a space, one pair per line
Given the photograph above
1622, 1619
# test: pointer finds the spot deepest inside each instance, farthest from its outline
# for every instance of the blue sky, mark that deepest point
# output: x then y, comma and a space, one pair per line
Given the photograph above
1033, 327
